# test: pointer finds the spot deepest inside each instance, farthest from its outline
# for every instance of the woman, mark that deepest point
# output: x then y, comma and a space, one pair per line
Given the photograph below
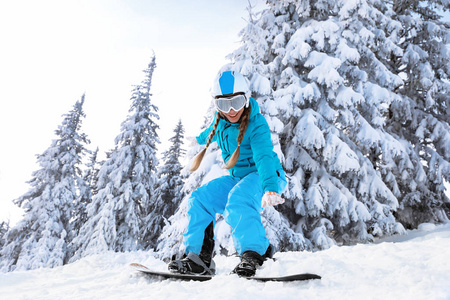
256, 179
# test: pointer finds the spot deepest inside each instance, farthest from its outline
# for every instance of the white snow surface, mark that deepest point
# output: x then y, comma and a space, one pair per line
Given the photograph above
412, 266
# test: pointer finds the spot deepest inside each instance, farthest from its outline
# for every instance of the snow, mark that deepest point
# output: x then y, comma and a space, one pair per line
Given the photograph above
345, 119
412, 266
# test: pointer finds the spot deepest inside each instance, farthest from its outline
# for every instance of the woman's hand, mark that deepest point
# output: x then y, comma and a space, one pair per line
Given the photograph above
271, 199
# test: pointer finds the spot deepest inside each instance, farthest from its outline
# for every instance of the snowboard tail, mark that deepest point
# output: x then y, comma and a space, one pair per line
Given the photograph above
168, 275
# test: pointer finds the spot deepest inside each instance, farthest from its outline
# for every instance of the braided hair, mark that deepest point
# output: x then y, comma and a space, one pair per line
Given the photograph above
245, 118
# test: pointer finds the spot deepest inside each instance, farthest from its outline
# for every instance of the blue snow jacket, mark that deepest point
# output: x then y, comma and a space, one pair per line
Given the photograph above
256, 148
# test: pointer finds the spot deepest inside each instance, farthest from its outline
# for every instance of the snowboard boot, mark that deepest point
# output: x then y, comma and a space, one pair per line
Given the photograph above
250, 261
201, 264
192, 264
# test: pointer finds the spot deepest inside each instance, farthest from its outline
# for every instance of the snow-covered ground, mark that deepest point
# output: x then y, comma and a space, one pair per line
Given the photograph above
415, 266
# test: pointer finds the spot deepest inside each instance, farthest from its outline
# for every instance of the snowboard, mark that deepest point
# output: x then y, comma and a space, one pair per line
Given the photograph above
168, 275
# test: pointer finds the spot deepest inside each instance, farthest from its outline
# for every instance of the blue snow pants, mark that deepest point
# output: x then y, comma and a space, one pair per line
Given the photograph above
239, 201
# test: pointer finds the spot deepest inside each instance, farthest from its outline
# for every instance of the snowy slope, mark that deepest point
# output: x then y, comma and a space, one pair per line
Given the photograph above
416, 266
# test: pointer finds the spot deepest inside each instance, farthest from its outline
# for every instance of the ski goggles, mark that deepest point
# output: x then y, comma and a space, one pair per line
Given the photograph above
226, 104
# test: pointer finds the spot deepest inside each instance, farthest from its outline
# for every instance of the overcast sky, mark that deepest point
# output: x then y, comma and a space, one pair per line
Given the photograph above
54, 51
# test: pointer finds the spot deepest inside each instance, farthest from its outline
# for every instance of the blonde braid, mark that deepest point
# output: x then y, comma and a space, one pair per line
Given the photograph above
198, 159
242, 129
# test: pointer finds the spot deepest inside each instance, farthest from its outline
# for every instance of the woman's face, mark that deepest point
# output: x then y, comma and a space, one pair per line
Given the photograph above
234, 116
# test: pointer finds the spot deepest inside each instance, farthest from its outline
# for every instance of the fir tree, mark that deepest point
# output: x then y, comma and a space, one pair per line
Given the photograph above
42, 237
87, 190
125, 180
91, 173
422, 118
168, 190
329, 73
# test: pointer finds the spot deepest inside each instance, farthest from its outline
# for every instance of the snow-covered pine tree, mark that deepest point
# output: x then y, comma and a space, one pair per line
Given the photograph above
168, 192
329, 68
41, 238
125, 180
422, 118
91, 172
87, 189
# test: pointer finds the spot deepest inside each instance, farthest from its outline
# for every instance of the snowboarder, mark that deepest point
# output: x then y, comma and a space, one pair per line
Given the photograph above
256, 180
